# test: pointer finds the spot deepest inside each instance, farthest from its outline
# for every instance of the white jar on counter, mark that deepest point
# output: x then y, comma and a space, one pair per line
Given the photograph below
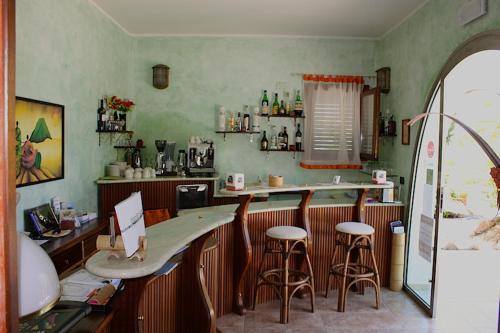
222, 118
129, 173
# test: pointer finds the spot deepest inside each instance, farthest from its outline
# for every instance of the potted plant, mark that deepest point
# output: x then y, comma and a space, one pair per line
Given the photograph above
122, 106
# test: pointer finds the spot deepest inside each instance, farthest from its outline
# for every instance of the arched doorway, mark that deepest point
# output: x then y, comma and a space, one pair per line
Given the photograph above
453, 249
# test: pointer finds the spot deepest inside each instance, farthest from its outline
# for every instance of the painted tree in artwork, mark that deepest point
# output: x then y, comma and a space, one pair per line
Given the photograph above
31, 158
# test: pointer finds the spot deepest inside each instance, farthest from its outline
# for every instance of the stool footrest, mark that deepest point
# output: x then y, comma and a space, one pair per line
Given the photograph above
338, 269
304, 277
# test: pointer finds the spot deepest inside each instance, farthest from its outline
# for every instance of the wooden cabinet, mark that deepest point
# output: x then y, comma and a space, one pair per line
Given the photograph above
71, 251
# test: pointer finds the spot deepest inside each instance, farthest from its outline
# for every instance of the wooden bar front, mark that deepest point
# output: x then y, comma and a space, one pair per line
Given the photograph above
219, 263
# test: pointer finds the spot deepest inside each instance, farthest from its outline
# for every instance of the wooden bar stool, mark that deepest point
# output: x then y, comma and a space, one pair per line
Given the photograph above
354, 236
285, 281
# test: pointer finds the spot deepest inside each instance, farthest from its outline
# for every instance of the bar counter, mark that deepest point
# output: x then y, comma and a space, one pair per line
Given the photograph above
230, 269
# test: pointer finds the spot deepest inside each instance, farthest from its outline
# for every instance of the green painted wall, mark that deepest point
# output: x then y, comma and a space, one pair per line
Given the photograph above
416, 51
69, 53
206, 72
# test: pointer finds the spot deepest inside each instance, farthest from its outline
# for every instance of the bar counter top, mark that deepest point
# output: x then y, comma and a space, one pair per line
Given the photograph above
277, 205
104, 180
163, 241
257, 189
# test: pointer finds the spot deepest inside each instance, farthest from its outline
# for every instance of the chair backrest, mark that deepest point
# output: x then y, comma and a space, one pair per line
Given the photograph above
151, 217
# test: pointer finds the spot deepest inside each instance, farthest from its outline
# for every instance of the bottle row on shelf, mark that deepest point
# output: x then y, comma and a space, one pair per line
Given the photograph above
280, 141
249, 121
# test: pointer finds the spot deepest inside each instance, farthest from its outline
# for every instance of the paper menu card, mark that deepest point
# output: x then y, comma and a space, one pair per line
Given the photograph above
131, 222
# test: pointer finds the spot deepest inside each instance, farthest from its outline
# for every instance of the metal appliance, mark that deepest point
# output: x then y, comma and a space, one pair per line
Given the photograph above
191, 196
165, 165
181, 162
201, 159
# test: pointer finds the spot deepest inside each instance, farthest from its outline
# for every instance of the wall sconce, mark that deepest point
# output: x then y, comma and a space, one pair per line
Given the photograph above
384, 79
160, 76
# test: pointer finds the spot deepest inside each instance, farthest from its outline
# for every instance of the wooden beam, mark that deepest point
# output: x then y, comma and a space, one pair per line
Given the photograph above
8, 256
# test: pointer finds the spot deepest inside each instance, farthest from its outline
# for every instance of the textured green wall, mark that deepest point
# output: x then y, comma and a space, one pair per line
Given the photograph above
206, 72
416, 51
69, 53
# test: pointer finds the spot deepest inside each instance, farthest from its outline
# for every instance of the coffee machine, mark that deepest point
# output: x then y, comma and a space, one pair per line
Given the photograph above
201, 159
165, 165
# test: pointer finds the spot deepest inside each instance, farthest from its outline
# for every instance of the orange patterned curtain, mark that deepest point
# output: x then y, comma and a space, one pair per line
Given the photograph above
334, 78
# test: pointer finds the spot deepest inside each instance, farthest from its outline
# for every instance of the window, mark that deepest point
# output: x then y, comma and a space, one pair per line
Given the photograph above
332, 126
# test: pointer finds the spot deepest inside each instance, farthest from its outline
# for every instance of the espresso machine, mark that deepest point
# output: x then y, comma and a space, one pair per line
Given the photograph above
165, 165
201, 159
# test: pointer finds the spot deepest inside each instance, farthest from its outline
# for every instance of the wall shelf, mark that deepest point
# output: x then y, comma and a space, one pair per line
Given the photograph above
128, 147
282, 151
112, 134
231, 132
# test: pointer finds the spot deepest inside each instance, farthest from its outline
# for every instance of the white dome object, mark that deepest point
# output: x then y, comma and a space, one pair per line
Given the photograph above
355, 228
286, 232
37, 278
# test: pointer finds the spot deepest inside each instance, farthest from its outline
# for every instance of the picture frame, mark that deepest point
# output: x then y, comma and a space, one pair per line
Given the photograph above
405, 132
39, 141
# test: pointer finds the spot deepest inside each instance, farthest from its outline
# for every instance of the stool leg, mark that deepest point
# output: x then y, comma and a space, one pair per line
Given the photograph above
332, 262
342, 291
361, 259
375, 269
311, 274
284, 286
259, 271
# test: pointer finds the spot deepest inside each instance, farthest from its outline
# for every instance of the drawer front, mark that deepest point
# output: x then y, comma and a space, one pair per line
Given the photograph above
68, 258
89, 246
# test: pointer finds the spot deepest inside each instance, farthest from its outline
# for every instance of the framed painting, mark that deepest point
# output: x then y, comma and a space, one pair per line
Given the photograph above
39, 142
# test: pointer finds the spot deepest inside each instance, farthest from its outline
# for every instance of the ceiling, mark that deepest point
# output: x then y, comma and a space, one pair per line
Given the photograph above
326, 18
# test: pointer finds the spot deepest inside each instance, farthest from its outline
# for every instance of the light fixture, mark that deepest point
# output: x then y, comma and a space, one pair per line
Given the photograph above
384, 79
38, 283
160, 76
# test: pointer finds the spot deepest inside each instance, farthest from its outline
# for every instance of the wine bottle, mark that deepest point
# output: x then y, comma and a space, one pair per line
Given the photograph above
284, 146
265, 104
264, 144
298, 139
282, 110
276, 105
280, 140
299, 106
231, 126
100, 120
238, 123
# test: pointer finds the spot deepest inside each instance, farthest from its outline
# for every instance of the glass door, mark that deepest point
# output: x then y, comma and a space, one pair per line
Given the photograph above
424, 212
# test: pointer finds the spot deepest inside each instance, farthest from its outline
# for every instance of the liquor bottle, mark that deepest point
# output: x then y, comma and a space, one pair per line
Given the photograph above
276, 105
238, 123
282, 110
264, 144
280, 140
392, 126
386, 122
284, 145
298, 139
231, 122
246, 122
265, 104
299, 106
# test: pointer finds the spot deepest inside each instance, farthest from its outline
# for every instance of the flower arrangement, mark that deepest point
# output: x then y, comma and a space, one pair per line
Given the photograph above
122, 105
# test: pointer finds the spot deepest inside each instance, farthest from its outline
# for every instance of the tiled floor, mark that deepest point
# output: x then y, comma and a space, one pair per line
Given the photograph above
398, 313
